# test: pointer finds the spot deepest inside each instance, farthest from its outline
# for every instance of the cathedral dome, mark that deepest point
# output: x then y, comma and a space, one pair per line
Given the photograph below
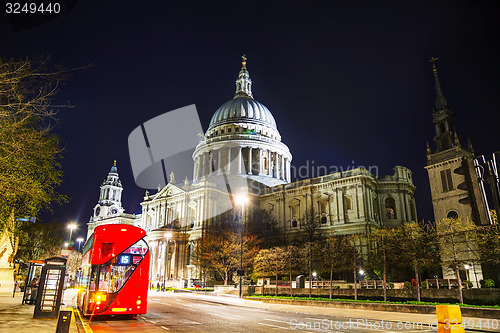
243, 109
243, 142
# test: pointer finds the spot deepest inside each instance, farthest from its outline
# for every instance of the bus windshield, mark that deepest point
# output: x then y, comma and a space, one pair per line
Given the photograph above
111, 276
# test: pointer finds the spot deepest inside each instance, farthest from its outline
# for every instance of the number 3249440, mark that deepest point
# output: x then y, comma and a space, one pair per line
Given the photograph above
32, 8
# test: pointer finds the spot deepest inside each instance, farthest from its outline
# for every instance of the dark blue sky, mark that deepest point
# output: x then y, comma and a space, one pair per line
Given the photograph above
345, 81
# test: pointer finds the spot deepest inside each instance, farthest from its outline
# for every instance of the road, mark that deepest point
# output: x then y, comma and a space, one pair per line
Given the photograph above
186, 312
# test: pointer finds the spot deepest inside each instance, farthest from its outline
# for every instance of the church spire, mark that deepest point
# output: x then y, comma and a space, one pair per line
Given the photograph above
440, 100
243, 83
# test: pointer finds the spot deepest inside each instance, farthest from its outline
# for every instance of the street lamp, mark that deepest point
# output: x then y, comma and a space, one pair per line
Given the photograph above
362, 273
66, 244
79, 240
467, 267
71, 227
167, 237
242, 199
314, 276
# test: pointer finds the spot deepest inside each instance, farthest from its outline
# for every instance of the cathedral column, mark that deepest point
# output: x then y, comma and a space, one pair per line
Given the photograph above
204, 165
273, 166
210, 162
287, 170
250, 171
228, 163
402, 214
156, 262
407, 204
240, 159
340, 205
282, 161
260, 161
219, 162
269, 163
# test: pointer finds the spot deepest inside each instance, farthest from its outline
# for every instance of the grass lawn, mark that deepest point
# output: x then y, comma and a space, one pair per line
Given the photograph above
323, 299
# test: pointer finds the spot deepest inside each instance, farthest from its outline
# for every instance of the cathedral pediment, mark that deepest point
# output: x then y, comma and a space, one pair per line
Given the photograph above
169, 190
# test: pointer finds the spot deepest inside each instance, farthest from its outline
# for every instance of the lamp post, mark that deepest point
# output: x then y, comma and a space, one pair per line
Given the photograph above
79, 240
467, 267
242, 200
167, 237
71, 227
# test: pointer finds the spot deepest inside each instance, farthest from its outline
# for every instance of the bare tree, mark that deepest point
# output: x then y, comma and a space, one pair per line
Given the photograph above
311, 235
30, 152
292, 262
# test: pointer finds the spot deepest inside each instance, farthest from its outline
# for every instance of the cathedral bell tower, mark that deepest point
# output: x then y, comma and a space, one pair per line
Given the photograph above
452, 177
110, 197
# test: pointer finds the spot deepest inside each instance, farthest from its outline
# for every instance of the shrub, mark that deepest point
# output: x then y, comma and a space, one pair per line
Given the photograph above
391, 285
487, 283
469, 284
337, 287
349, 286
424, 285
408, 285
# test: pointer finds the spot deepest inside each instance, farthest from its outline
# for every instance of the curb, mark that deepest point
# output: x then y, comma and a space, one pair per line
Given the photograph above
486, 313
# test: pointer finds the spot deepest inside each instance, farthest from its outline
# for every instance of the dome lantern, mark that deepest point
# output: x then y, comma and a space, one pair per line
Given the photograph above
243, 83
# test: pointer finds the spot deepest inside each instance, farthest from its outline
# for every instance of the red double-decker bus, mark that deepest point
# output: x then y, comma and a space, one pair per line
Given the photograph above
115, 271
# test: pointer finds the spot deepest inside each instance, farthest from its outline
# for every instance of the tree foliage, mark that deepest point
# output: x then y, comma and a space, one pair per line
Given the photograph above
271, 262
219, 250
38, 241
458, 244
30, 152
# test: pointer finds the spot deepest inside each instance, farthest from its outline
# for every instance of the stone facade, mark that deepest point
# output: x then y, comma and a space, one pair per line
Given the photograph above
242, 153
242, 149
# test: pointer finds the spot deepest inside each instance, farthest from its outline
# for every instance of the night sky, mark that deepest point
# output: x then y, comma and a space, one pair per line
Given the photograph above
346, 81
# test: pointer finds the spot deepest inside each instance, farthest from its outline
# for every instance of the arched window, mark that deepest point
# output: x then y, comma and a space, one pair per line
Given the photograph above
390, 208
294, 224
452, 214
265, 163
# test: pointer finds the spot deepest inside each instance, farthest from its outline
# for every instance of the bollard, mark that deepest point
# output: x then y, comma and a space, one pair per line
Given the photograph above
449, 319
64, 321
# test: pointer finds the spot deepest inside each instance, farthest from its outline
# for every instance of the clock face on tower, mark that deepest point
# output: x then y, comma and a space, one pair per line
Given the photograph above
97, 211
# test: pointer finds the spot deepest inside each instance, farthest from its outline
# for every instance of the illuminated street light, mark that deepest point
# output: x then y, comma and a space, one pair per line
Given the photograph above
314, 276
66, 244
467, 267
79, 240
361, 272
241, 199
71, 227
167, 236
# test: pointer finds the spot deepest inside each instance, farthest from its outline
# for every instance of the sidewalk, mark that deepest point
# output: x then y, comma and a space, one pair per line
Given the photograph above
18, 318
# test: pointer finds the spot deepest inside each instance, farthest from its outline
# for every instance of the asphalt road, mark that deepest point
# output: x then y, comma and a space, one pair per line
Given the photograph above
184, 312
